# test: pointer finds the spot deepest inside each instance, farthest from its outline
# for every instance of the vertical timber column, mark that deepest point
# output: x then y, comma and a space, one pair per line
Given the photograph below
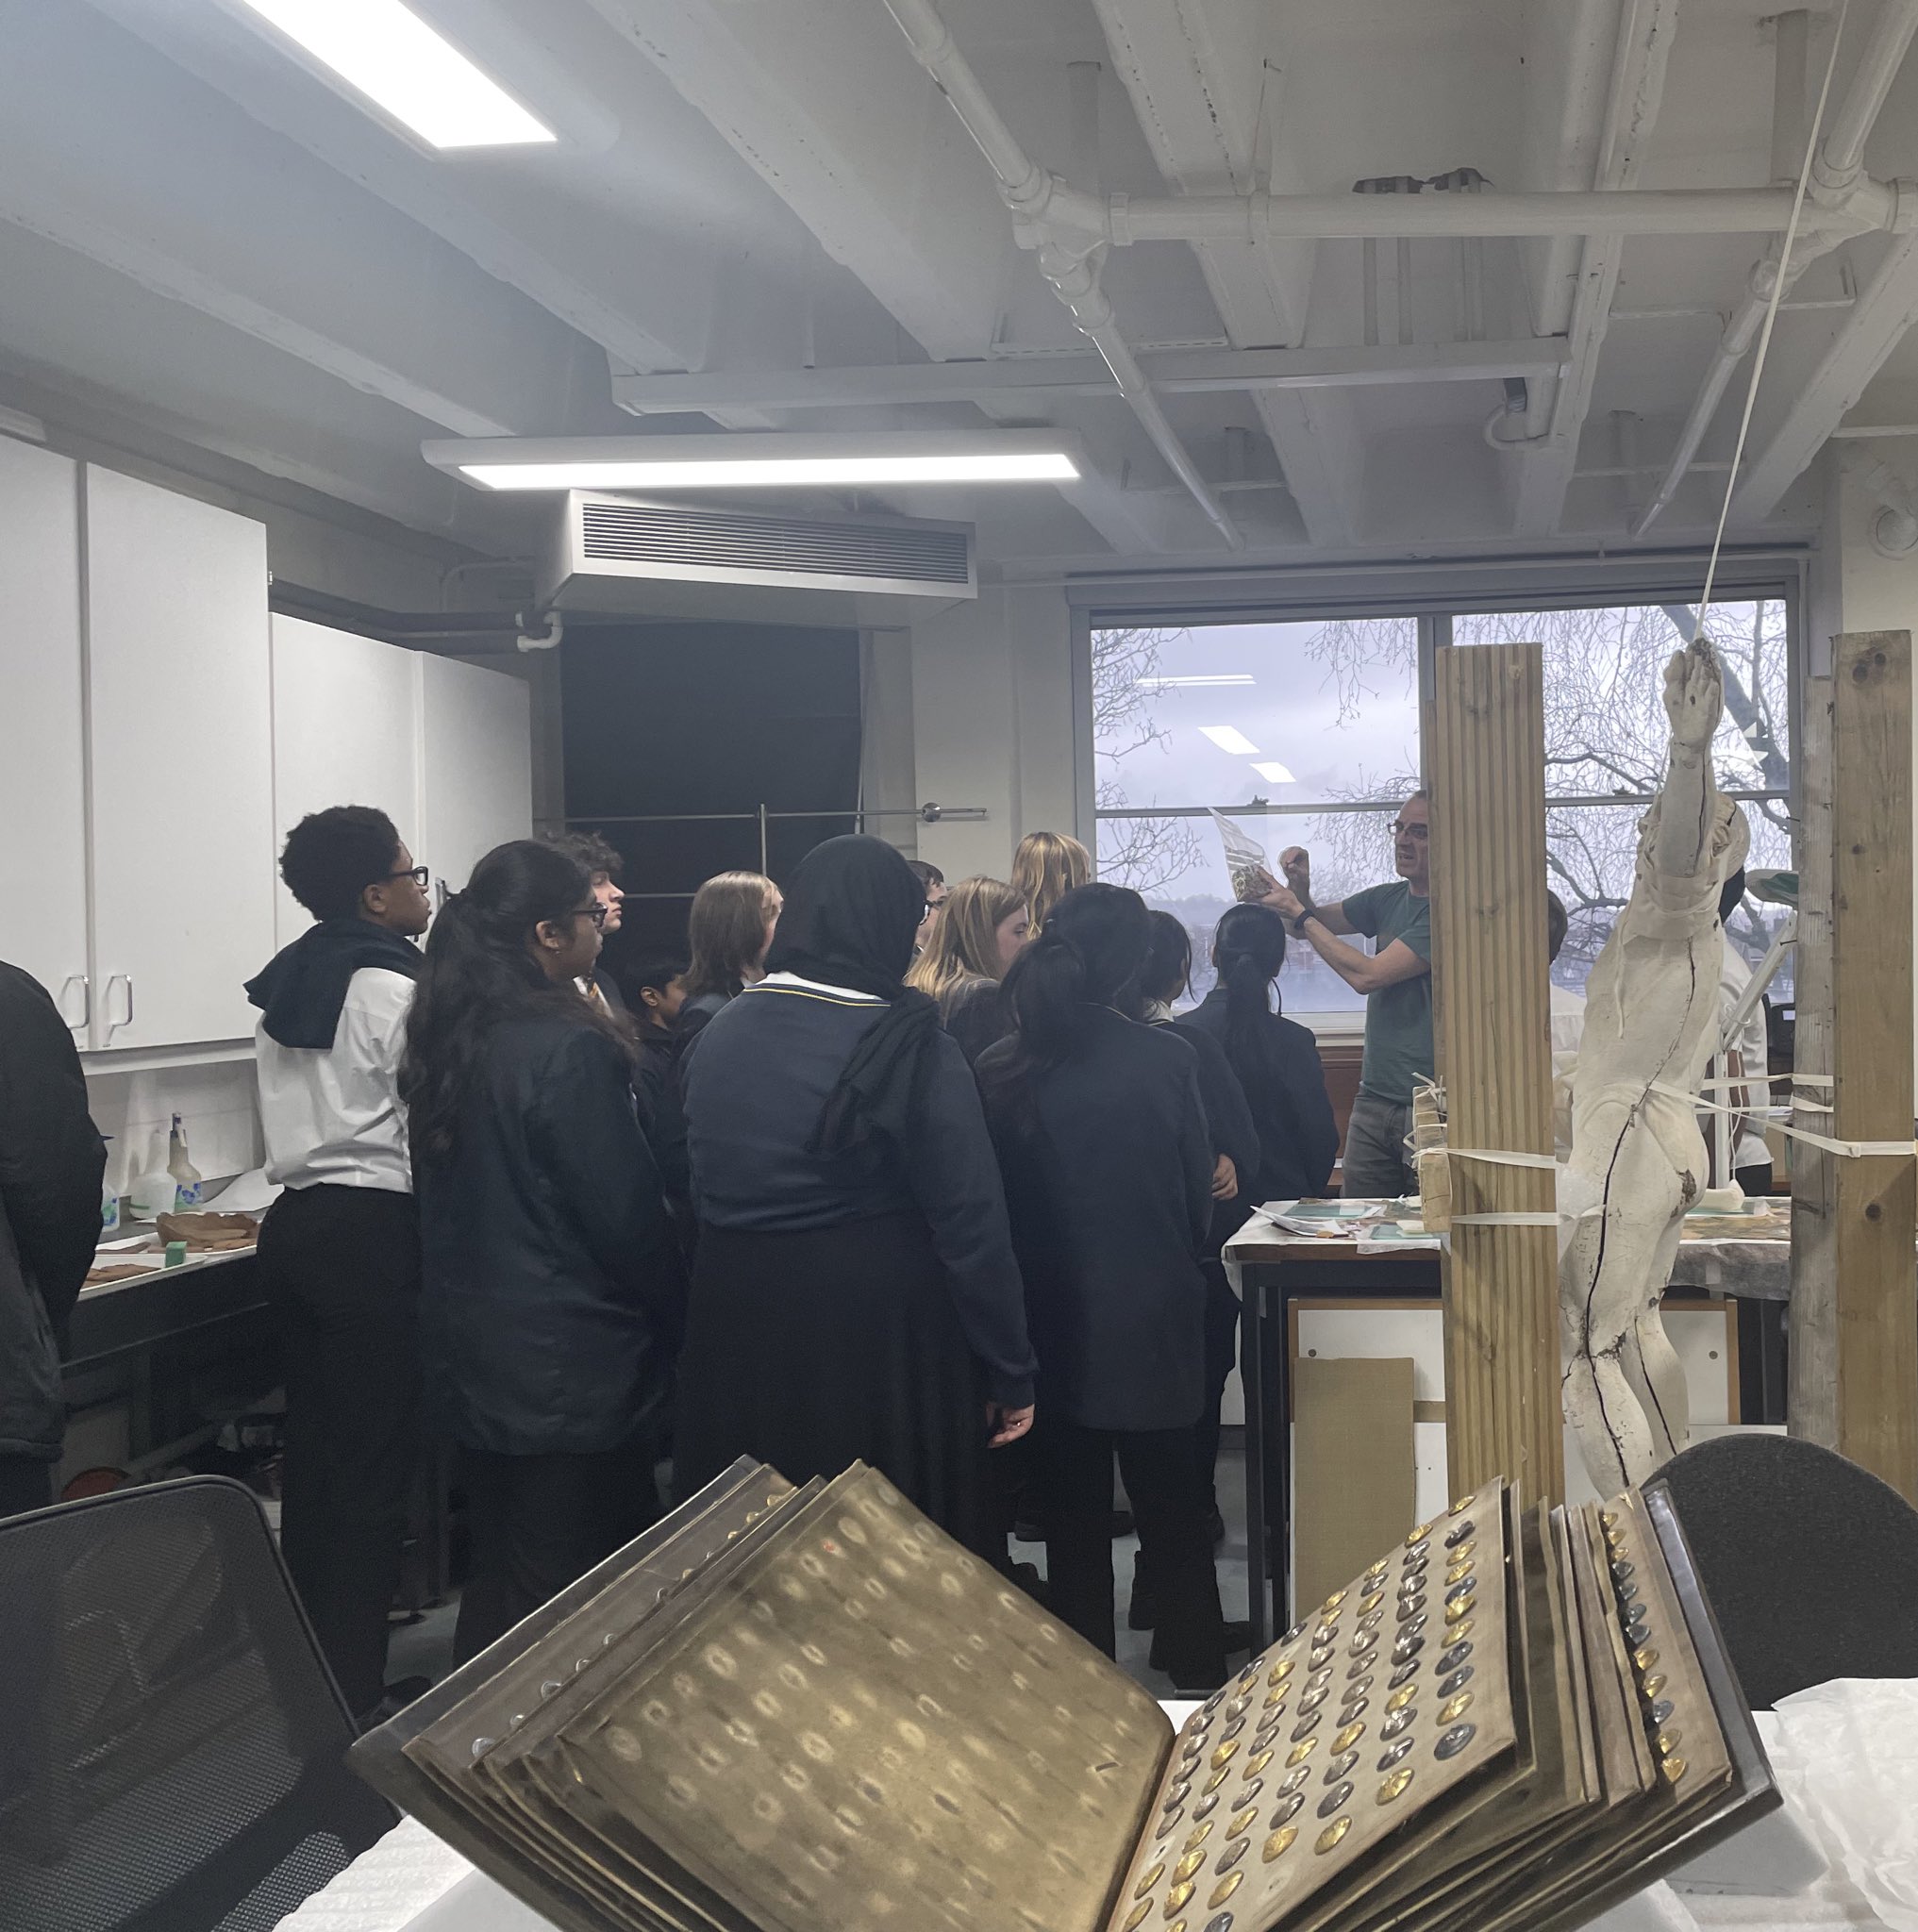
1488, 777
1855, 1285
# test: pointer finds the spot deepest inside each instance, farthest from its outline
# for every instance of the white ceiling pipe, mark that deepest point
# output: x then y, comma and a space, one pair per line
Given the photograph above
1257, 218
1841, 154
1025, 188
1835, 171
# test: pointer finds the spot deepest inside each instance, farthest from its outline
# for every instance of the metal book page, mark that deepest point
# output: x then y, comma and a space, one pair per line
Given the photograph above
1584, 1699
1452, 1879
456, 1810
1341, 1741
1625, 1751
865, 1727
457, 1751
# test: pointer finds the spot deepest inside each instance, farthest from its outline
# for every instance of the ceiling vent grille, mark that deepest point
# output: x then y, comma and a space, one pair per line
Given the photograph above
938, 555
638, 555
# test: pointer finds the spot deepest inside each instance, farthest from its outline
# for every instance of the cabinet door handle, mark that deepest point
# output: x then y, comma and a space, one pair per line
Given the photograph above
86, 986
126, 979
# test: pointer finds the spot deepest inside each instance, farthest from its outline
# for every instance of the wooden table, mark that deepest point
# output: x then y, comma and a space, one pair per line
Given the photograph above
1271, 1268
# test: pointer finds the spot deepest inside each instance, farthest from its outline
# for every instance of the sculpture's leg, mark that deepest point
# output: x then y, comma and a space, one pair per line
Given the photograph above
1651, 1363
1611, 1256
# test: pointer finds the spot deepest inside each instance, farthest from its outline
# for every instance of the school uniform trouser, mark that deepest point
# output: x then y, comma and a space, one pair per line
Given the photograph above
1222, 1353
341, 1266
26, 1483
535, 1523
1161, 1475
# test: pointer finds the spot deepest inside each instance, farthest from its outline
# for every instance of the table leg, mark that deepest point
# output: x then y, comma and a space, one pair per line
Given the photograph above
1252, 1376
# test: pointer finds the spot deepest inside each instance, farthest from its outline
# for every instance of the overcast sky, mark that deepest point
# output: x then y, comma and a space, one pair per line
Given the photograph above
1291, 714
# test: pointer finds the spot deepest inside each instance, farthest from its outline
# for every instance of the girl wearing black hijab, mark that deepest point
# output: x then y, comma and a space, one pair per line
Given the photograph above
855, 1295
1108, 1163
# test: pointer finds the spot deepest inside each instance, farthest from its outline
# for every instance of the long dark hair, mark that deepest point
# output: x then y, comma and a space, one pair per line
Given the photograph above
1248, 948
1086, 955
1166, 970
479, 974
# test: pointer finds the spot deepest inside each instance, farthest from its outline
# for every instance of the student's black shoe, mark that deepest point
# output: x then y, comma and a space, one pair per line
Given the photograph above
398, 1695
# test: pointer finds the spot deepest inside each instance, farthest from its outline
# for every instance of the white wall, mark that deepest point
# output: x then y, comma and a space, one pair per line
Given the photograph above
218, 1111
992, 723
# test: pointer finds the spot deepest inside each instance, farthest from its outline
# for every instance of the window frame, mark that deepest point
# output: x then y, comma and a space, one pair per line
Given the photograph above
1434, 593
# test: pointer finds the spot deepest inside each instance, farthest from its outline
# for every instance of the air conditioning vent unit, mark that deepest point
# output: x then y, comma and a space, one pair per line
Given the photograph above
642, 557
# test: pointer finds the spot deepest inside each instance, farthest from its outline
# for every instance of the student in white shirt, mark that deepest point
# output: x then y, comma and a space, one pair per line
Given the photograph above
340, 1249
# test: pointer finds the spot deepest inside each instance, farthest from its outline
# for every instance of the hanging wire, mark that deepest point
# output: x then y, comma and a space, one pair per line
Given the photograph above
1764, 342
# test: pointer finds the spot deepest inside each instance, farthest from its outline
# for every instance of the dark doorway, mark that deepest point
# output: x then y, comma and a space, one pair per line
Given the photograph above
665, 723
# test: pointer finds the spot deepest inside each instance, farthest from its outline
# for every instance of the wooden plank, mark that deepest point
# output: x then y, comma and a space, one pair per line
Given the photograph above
1501, 1284
1855, 1297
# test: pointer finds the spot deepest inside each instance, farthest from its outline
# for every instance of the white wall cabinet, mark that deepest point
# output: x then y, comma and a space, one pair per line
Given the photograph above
345, 731
443, 748
161, 735
180, 726
475, 767
43, 757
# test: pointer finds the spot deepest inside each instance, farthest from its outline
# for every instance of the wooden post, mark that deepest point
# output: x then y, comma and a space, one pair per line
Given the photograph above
1490, 960
1855, 1218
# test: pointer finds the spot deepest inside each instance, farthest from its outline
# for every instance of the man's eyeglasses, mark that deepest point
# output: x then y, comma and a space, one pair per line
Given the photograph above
420, 875
1401, 830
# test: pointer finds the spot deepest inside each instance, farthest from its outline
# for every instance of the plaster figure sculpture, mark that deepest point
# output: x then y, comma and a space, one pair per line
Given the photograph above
1638, 1159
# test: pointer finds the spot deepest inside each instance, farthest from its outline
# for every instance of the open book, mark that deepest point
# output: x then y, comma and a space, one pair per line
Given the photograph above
807, 1711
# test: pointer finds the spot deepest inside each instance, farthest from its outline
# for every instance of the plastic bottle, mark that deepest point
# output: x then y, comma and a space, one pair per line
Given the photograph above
190, 1191
109, 1200
153, 1194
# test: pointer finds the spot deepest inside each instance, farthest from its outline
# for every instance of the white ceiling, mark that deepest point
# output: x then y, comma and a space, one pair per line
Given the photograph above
199, 232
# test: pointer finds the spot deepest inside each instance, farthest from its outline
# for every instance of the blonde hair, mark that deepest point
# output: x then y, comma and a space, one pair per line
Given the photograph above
966, 936
725, 931
1046, 867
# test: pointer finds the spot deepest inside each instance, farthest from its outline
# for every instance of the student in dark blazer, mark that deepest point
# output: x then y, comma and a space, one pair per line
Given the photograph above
1276, 1062
855, 1295
51, 1161
1162, 979
551, 1294
1108, 1163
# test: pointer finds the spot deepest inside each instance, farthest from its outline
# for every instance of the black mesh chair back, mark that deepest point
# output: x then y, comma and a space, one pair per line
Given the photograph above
172, 1747
1811, 1563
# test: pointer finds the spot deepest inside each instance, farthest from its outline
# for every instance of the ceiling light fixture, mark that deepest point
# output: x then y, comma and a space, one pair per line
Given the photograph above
385, 51
1229, 738
1274, 772
1220, 678
756, 461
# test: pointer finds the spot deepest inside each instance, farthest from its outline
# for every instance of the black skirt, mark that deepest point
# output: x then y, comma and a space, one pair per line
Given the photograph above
812, 1350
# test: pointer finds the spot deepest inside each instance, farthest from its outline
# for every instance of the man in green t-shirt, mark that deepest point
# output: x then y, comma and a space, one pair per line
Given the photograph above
1397, 980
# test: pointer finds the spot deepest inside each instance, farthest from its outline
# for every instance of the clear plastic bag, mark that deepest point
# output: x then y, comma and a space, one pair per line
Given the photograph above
1245, 859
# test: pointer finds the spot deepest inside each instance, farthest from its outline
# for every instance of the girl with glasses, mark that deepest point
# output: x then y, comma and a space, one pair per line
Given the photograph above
552, 1292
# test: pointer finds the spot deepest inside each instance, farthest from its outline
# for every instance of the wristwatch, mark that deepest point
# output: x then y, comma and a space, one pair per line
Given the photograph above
1306, 909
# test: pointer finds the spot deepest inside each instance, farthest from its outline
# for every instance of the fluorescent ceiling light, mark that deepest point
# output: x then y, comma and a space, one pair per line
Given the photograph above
1277, 773
756, 461
1229, 738
1222, 678
389, 53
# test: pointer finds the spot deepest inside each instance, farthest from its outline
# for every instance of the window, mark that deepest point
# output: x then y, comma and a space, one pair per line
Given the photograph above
1307, 733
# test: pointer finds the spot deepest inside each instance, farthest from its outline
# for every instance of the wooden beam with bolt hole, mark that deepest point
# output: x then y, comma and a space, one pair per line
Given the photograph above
1490, 964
